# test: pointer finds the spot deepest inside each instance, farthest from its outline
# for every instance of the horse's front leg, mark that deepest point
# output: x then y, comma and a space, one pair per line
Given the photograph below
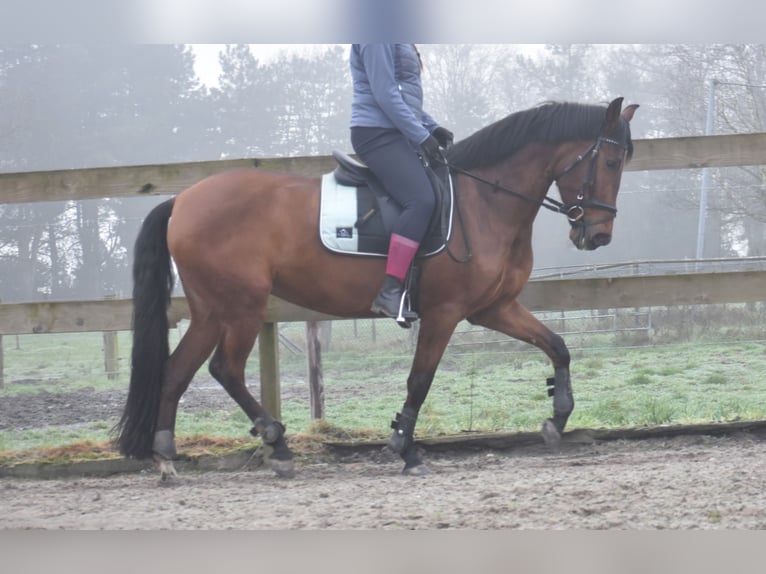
402, 439
432, 340
515, 320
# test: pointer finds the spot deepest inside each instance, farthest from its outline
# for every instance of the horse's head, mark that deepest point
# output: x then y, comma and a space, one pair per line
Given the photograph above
589, 184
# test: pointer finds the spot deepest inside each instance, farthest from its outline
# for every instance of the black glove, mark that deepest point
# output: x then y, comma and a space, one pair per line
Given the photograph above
443, 136
430, 151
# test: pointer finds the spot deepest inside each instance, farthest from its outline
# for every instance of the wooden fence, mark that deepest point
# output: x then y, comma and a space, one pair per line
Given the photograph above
564, 294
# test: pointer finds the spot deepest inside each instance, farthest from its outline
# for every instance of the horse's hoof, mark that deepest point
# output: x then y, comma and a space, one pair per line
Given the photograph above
282, 468
551, 435
417, 470
166, 468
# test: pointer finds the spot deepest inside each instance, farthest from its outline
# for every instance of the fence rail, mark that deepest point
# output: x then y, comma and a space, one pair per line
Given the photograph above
569, 294
168, 179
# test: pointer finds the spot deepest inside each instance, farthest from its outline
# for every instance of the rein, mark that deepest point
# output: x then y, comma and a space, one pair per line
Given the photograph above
547, 202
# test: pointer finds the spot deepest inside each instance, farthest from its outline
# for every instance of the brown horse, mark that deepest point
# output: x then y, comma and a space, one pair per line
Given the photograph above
239, 236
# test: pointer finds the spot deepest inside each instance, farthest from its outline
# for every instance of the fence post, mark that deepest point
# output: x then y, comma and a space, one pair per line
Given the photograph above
111, 351
314, 366
268, 349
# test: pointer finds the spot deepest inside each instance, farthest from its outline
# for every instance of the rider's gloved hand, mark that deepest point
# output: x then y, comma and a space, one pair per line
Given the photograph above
443, 136
430, 151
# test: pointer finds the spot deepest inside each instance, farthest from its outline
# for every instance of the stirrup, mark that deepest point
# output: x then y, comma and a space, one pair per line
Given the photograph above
406, 315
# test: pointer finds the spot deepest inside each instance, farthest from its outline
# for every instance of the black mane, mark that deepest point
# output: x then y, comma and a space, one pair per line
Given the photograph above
547, 122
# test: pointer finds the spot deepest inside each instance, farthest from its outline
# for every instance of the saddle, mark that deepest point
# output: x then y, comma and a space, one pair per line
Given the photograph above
357, 216
377, 211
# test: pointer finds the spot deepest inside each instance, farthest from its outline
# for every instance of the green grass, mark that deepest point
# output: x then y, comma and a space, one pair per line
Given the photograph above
485, 387
17, 440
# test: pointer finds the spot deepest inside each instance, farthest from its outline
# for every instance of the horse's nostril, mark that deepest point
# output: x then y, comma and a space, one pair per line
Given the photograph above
601, 239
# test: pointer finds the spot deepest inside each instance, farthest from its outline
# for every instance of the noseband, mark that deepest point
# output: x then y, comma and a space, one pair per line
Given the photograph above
575, 212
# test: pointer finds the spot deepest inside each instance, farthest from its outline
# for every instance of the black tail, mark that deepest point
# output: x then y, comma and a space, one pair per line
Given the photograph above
152, 286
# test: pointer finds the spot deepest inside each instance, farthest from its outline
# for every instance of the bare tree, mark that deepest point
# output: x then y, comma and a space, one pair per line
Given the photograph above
463, 85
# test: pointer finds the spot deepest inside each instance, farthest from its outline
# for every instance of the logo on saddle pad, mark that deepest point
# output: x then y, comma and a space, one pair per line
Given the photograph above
344, 233
356, 217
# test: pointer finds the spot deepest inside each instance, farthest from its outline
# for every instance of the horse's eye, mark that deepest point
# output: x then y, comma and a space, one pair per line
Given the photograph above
613, 163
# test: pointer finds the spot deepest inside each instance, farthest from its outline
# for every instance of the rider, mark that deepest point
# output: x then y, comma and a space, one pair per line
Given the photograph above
396, 138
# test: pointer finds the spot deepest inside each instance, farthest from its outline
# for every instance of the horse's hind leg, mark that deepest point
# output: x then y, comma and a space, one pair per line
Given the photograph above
228, 367
195, 347
515, 320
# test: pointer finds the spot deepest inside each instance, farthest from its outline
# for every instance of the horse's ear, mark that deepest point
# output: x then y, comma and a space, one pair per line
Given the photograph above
628, 112
613, 111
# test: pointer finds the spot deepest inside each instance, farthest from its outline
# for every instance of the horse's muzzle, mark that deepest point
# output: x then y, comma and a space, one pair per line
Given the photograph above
588, 239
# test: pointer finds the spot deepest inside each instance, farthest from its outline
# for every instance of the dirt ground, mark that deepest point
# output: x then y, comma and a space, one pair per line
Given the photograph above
687, 482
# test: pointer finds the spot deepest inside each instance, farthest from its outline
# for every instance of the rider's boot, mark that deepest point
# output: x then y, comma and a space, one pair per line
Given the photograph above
401, 252
389, 299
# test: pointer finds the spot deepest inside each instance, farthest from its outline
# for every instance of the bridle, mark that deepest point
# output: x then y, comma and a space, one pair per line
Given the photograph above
575, 212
